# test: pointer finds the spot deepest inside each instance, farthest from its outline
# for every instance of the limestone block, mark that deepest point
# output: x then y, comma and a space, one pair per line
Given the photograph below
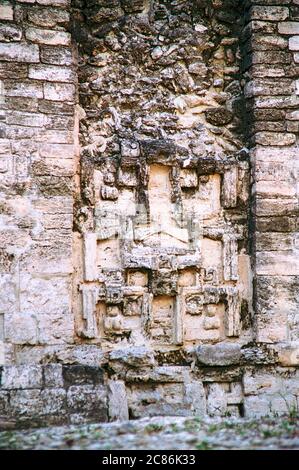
21, 377
48, 17
26, 88
40, 295
232, 314
222, 354
21, 328
229, 187
48, 36
54, 3
26, 119
288, 27
55, 328
19, 52
6, 11
164, 400
109, 193
89, 301
59, 92
57, 150
89, 253
294, 43
10, 33
4, 403
88, 399
26, 403
289, 354
256, 406
195, 394
188, 178
53, 376
117, 399
276, 207
56, 56
136, 356
51, 73
279, 263
8, 293
53, 400
269, 13
269, 189
79, 374
216, 402
230, 258
272, 138
268, 42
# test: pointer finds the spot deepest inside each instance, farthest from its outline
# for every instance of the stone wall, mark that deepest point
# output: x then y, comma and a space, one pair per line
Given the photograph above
149, 206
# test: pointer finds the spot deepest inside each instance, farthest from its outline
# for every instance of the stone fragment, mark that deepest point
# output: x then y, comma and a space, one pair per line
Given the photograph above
218, 116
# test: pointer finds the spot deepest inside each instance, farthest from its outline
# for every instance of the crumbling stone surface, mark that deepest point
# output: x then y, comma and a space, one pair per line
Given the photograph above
162, 433
149, 209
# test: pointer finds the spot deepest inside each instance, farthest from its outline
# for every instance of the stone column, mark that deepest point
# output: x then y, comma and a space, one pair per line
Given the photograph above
36, 173
272, 68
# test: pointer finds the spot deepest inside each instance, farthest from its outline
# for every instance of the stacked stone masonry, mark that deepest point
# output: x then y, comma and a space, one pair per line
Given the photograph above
149, 209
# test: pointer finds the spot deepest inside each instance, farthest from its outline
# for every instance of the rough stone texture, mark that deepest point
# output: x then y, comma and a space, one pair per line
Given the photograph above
149, 209
162, 433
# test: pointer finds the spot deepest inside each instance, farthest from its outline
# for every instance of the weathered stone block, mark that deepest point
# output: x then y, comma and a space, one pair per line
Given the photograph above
269, 13
26, 404
56, 55
288, 27
53, 376
59, 92
88, 399
4, 403
48, 17
25, 88
19, 52
6, 11
294, 43
222, 354
54, 402
51, 73
117, 399
10, 33
21, 377
280, 263
21, 328
55, 328
80, 375
48, 36
54, 3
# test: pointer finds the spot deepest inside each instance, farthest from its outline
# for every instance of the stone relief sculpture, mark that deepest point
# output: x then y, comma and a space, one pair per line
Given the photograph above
149, 208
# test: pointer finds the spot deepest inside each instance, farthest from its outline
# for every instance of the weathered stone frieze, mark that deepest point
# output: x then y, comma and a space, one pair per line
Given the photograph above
149, 208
